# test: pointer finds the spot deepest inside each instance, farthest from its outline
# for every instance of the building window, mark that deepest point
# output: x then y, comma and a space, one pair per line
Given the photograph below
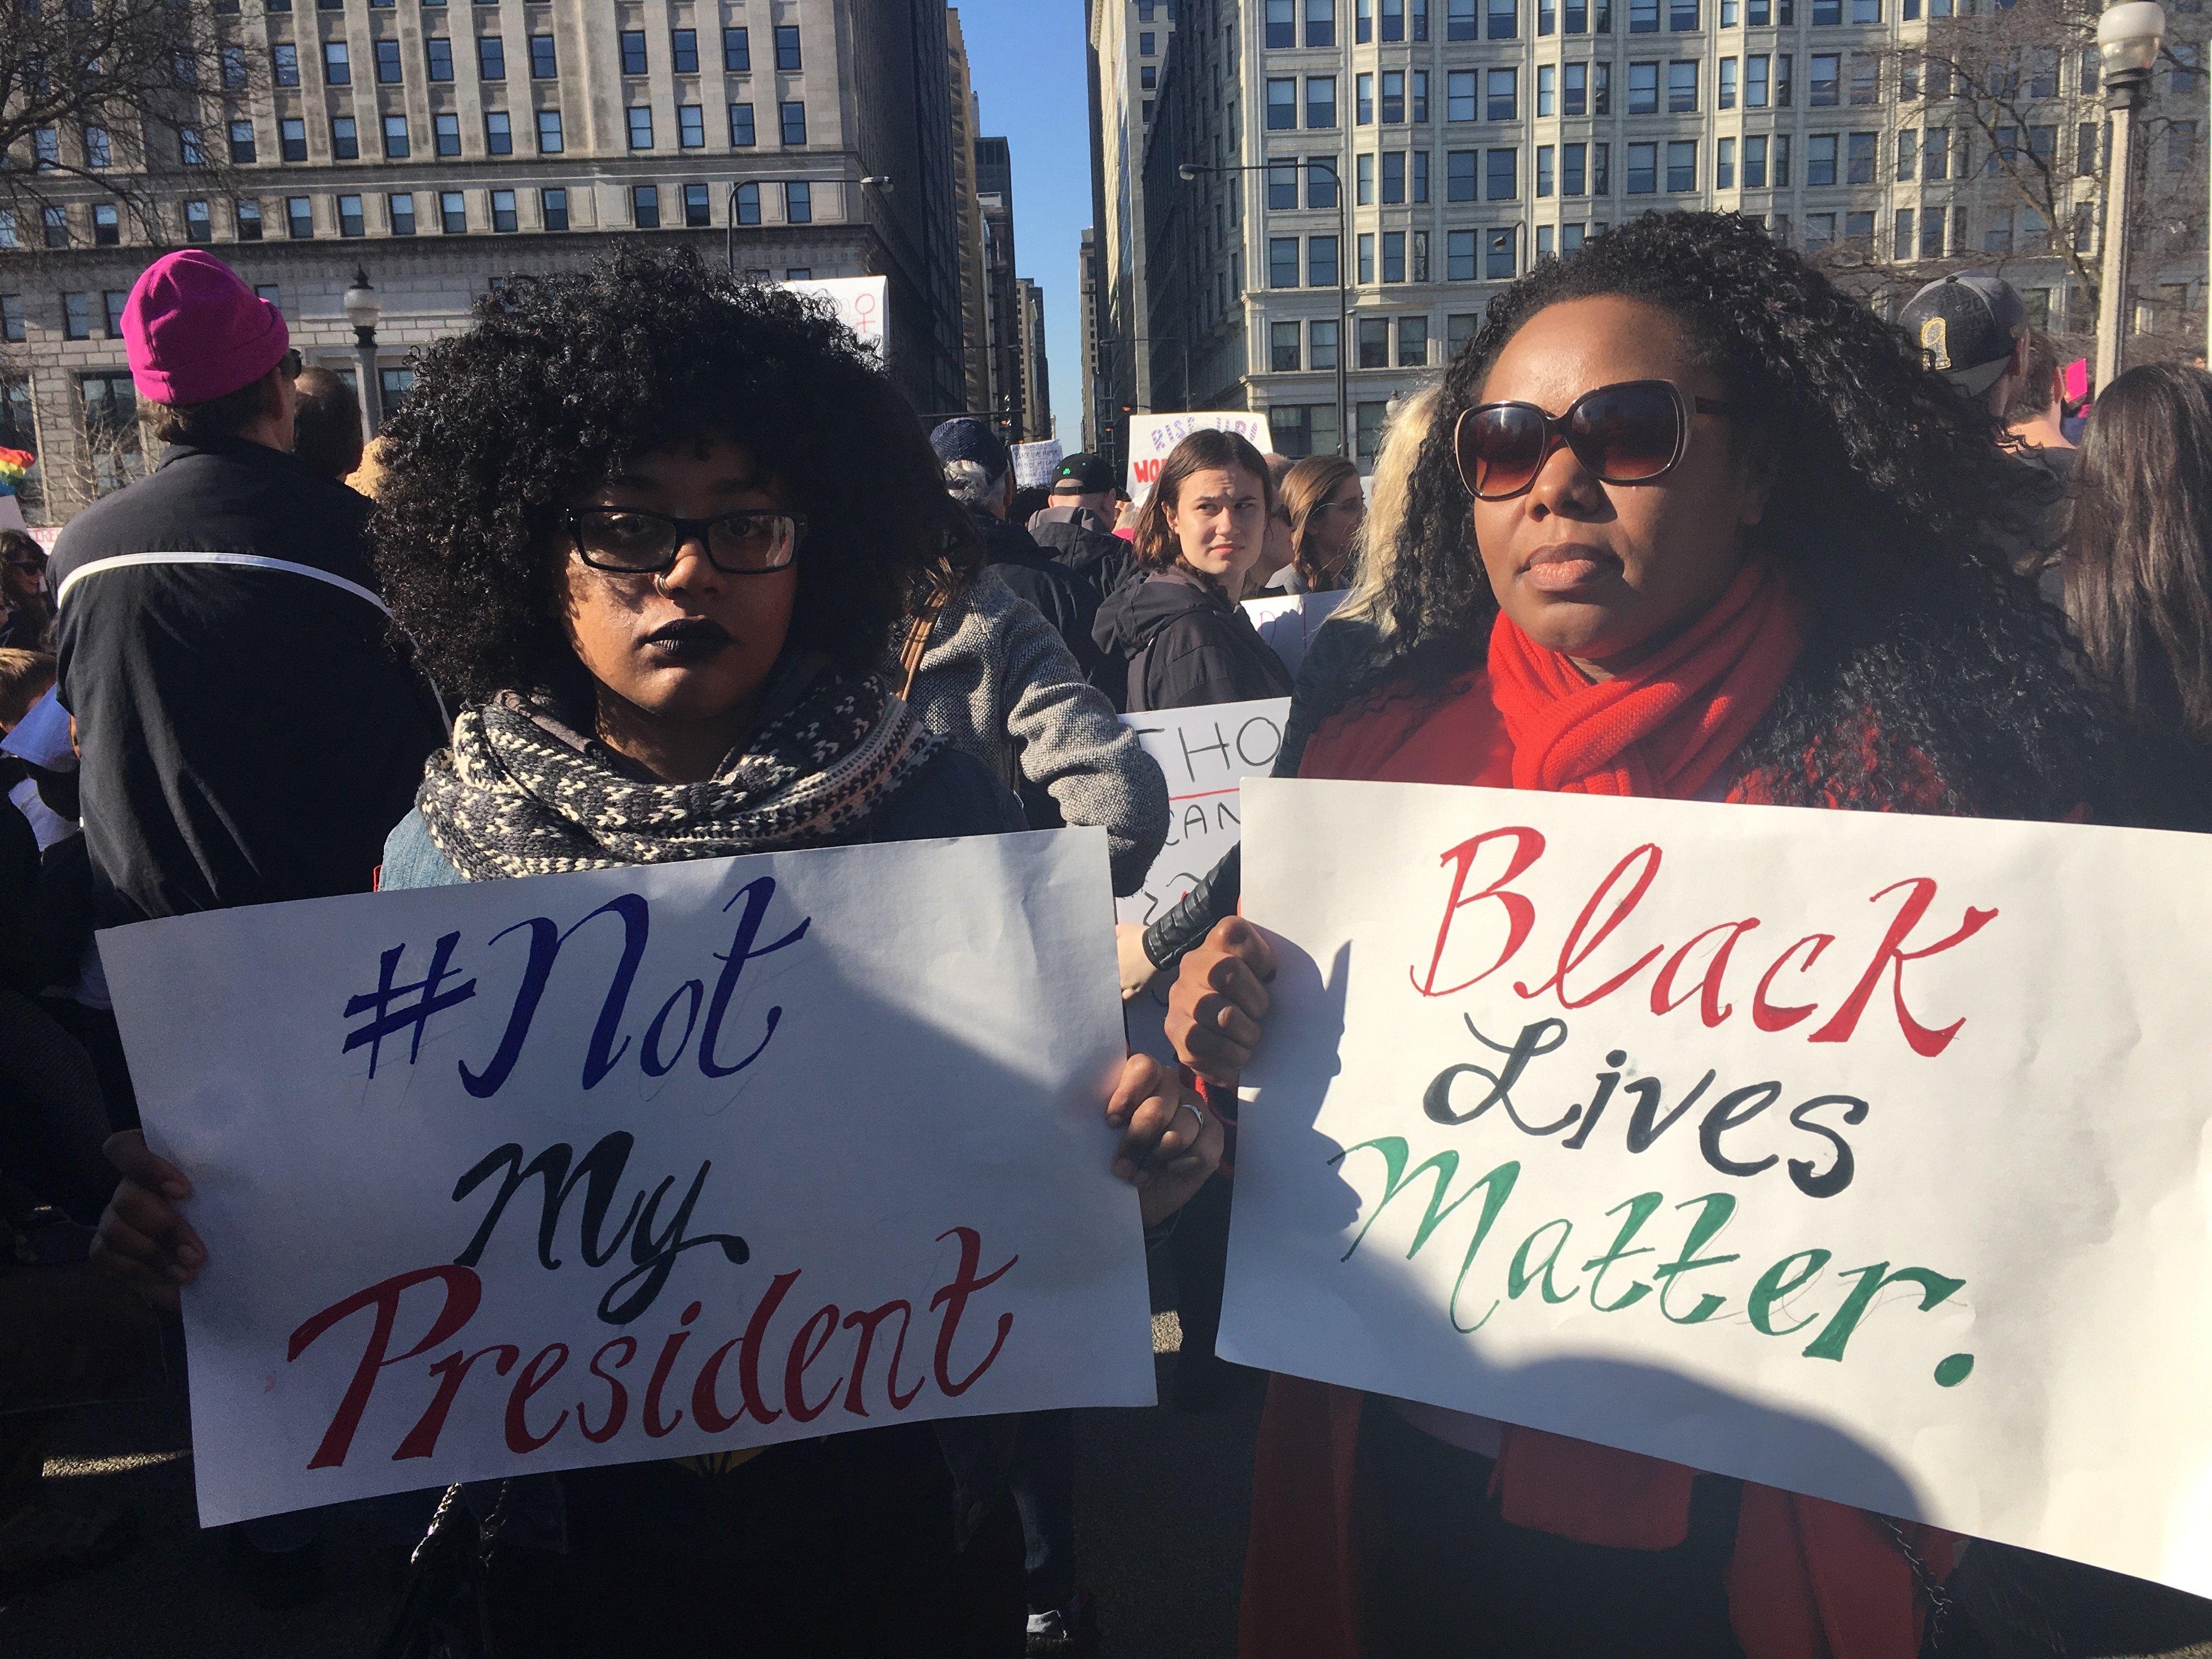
641, 127
346, 139
1459, 96
1321, 100
1903, 246
1501, 172
1282, 187
741, 126
1754, 163
1283, 262
1724, 164
1820, 228
795, 125
491, 57
453, 213
1865, 79
1861, 157
749, 205
1682, 88
499, 133
1393, 176
737, 52
1393, 97
1321, 22
1643, 169
1681, 14
1374, 336
543, 65
632, 51
684, 49
1281, 24
1682, 165
1545, 169
447, 130
1323, 263
111, 424
76, 318
644, 206
1548, 90
1412, 342
1821, 158
504, 216
798, 202
553, 209
1754, 82
786, 48
439, 52
395, 384
1782, 160
1931, 234
1282, 104
691, 126
242, 143
1459, 176
1283, 355
299, 217
1573, 177
1363, 102
1363, 175
1824, 64
1644, 16
1504, 20
350, 221
199, 225
1321, 181
399, 212
1724, 91
11, 322
337, 68
190, 150
395, 137
1394, 256
387, 63
287, 64
247, 216
696, 211
1502, 100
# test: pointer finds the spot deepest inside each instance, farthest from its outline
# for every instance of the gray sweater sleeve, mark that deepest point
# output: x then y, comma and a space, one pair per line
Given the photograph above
1072, 744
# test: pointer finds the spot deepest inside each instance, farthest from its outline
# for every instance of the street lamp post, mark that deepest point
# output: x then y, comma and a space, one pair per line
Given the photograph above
1190, 171
2128, 37
364, 311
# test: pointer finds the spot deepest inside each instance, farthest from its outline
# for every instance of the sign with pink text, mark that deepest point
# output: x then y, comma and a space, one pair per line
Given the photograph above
1152, 439
1857, 1154
640, 1163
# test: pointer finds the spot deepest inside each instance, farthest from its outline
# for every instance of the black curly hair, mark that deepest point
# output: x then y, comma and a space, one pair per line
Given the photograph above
1932, 677
561, 378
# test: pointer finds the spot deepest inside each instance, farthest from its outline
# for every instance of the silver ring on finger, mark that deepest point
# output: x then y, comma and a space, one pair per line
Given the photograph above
1196, 1112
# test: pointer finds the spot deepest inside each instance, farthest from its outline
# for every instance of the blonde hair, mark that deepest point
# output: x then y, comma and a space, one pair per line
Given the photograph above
1375, 550
24, 677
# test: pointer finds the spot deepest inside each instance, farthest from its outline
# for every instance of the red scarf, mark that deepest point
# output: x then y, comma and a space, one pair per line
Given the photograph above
1665, 726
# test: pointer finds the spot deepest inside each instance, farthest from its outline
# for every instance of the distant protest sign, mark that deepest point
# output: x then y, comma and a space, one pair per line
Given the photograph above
863, 305
1206, 753
1288, 622
1033, 463
1859, 1154
1153, 438
640, 1163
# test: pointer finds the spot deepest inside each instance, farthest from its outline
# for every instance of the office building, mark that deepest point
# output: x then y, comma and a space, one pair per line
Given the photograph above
975, 302
1036, 381
1129, 53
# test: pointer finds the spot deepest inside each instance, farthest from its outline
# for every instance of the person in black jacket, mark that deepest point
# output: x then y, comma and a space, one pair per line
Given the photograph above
249, 733
1076, 527
1179, 629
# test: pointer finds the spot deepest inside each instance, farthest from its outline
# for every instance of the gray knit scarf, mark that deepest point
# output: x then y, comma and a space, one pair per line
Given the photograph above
520, 793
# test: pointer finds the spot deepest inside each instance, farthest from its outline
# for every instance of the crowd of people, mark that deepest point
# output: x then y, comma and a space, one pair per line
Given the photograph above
1683, 520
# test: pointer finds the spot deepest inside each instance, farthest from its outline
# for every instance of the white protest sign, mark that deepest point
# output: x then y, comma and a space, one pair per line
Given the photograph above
1288, 622
1205, 753
1153, 438
1859, 1154
640, 1163
1033, 463
863, 305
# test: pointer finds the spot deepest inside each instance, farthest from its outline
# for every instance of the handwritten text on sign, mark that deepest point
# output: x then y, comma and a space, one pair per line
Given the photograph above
1857, 1154
640, 1164
1152, 439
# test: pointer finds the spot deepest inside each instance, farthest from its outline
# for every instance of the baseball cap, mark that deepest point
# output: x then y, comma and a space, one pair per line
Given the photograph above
1966, 327
967, 439
1083, 474
193, 332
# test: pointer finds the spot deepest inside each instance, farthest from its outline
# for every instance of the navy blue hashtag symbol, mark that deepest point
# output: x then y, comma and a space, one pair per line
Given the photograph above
389, 1020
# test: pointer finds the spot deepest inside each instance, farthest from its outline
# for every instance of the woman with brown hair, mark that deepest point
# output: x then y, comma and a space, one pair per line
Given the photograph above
1186, 641
2138, 572
1326, 508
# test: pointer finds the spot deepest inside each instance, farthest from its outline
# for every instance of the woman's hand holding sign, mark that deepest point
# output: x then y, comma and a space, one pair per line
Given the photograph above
1220, 997
1169, 1142
142, 1236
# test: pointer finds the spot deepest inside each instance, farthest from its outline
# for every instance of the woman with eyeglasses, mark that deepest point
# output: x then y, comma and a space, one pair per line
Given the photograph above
619, 517
1324, 504
1690, 522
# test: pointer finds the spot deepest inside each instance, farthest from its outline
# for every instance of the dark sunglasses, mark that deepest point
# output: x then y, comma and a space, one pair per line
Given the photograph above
1635, 432
640, 543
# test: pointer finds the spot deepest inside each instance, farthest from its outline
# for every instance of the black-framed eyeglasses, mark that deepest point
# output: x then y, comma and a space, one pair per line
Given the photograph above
637, 543
1631, 432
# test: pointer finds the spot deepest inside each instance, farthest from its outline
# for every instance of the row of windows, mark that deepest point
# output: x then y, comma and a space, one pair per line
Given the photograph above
1390, 256
1499, 19
491, 57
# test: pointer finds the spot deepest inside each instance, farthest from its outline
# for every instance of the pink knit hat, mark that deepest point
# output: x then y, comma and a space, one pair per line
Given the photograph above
193, 332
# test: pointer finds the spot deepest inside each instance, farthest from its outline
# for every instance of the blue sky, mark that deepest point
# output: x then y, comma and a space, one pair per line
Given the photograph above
1026, 58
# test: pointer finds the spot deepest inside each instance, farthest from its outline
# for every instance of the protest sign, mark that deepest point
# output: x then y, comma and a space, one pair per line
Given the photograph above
863, 305
1288, 622
1204, 752
1033, 463
1859, 1154
640, 1163
1153, 437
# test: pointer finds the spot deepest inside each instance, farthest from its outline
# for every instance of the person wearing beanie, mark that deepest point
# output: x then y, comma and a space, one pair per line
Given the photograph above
1076, 527
248, 731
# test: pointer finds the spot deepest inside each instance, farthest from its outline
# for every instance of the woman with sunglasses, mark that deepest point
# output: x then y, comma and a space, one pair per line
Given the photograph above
1691, 522
618, 518
27, 623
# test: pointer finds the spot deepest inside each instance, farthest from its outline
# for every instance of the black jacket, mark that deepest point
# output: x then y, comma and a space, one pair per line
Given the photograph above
1187, 645
1070, 605
1092, 555
248, 735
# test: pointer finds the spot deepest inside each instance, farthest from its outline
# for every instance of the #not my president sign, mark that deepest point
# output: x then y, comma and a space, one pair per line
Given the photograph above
640, 1163
1861, 1155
